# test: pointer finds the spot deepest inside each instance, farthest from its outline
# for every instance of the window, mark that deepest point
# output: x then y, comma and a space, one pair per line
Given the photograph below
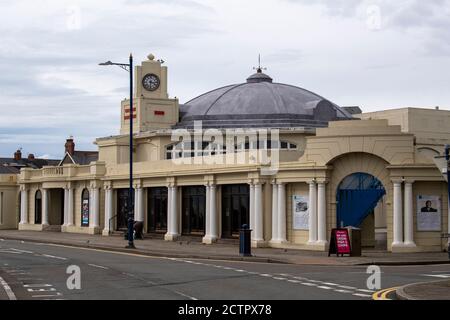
85, 208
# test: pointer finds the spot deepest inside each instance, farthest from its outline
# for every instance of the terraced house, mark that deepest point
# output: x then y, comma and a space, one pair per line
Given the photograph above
288, 162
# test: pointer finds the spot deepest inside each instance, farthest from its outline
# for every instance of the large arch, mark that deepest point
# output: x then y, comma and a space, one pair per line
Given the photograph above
359, 162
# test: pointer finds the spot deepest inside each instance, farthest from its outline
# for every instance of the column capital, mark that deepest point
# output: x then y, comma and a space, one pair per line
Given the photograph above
23, 187
322, 181
409, 181
312, 181
397, 180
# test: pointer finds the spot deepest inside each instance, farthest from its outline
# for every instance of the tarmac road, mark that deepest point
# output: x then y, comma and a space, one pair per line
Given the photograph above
39, 271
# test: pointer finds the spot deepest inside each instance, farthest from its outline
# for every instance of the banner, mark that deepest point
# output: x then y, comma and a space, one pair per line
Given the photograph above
428, 213
300, 212
85, 213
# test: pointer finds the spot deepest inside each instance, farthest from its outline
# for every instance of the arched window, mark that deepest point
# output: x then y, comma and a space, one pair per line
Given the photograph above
38, 207
85, 208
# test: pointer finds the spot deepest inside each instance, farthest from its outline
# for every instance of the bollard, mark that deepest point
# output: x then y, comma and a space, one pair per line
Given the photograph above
245, 241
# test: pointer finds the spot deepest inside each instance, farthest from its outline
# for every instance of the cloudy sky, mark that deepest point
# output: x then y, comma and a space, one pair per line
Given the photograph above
376, 54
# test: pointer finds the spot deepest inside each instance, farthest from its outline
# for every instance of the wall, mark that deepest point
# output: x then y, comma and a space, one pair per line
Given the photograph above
9, 202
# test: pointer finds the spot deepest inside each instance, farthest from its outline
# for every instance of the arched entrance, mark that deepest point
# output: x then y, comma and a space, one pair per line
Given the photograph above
358, 197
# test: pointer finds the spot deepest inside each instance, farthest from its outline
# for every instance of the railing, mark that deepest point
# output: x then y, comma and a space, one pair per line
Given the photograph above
53, 171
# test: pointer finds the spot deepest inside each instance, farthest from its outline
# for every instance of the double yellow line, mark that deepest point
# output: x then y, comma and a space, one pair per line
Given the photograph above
382, 294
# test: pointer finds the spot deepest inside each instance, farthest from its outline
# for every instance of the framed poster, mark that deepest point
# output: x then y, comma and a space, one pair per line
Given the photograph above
85, 213
428, 213
300, 209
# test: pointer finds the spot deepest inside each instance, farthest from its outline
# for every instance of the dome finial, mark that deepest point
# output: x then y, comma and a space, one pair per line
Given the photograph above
259, 69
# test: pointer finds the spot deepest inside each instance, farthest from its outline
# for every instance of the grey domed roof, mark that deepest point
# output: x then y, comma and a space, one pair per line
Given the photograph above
260, 103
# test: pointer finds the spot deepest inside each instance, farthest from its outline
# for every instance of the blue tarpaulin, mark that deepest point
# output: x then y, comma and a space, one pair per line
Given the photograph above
359, 198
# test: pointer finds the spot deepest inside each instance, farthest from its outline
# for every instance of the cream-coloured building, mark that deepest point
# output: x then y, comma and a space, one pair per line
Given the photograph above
282, 159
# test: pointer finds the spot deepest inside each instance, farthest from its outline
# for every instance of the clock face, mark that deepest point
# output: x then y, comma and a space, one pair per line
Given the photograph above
150, 82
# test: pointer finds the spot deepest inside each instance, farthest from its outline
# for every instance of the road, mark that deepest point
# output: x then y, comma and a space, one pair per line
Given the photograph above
39, 271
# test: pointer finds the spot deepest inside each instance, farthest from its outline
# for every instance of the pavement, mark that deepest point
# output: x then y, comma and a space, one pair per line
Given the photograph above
194, 249
435, 290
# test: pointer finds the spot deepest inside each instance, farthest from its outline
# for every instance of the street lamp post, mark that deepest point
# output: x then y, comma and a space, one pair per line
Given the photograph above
130, 203
447, 157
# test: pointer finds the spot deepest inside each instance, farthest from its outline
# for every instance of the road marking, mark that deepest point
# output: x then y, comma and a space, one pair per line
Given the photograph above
443, 276
19, 250
309, 284
7, 289
347, 287
37, 285
325, 287
365, 290
57, 294
185, 295
97, 266
382, 294
362, 295
330, 284
342, 291
53, 257
294, 281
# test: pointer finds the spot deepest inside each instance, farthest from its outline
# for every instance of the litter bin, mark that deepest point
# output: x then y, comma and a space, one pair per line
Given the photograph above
245, 249
355, 241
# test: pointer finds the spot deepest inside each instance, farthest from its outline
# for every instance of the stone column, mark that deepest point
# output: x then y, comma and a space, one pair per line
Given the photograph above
214, 218
45, 221
95, 216
167, 236
409, 215
312, 213
66, 206
258, 231
281, 213
275, 235
398, 212
70, 206
321, 214
206, 238
139, 205
211, 228
108, 209
252, 208
24, 206
173, 221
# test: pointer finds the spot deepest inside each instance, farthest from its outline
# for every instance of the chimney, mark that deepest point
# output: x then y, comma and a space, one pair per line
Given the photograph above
70, 146
18, 155
31, 157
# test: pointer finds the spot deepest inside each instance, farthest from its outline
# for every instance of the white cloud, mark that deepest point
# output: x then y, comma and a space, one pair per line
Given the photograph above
51, 85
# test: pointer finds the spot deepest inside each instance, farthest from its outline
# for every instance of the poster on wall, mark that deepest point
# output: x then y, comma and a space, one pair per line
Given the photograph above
300, 212
428, 213
85, 213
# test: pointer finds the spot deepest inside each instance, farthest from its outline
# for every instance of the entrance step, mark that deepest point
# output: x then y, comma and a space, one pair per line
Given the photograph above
232, 241
52, 228
188, 238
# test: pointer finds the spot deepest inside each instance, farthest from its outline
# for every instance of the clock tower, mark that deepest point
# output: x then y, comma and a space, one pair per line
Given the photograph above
152, 107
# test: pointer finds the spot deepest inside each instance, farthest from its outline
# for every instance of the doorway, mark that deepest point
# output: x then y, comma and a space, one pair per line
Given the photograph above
157, 210
194, 210
359, 197
235, 209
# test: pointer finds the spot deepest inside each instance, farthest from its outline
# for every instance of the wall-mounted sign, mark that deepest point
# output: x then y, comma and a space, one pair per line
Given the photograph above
428, 213
300, 209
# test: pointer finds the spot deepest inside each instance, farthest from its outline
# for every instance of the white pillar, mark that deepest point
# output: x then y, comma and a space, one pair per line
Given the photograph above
66, 206
70, 204
275, 235
95, 208
409, 215
24, 206
211, 233
139, 205
172, 217
398, 221
207, 215
281, 212
214, 219
45, 207
312, 213
252, 207
259, 219
168, 235
108, 210
321, 214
